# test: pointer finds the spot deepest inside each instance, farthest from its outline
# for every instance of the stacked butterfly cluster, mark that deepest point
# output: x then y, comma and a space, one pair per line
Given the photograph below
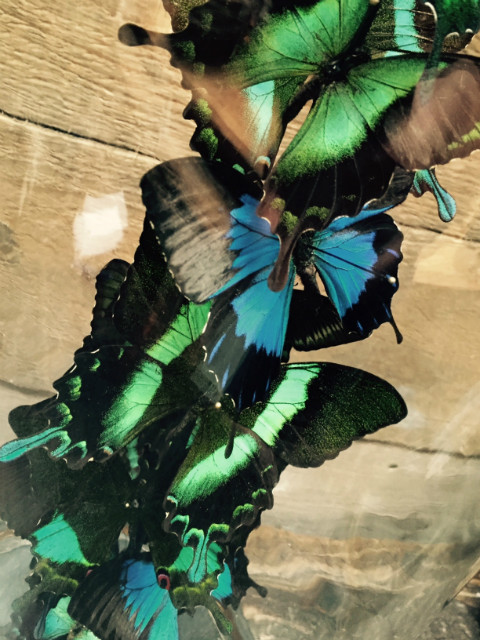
140, 481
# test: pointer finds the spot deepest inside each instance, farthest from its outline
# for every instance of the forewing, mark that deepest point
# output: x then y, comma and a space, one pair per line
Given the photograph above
432, 128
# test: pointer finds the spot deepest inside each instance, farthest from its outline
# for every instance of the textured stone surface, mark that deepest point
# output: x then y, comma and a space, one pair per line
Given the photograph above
455, 623
46, 283
65, 68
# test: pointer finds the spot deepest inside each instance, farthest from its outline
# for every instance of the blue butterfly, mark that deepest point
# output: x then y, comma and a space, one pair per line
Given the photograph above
130, 599
126, 599
218, 248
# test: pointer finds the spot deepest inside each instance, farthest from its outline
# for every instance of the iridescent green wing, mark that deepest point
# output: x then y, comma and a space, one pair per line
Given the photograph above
250, 102
73, 520
339, 405
115, 391
54, 621
234, 461
70, 516
389, 112
112, 395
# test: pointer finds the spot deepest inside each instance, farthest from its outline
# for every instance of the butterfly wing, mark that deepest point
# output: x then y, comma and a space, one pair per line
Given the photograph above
108, 284
148, 300
357, 259
454, 17
144, 592
235, 461
73, 520
317, 410
123, 599
428, 129
426, 181
218, 247
69, 516
314, 323
55, 622
117, 389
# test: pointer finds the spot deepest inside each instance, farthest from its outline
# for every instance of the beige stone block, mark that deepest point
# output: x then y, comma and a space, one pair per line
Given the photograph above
64, 67
56, 189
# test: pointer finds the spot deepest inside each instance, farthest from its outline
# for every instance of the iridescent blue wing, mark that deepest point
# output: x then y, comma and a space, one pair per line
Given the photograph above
123, 599
357, 259
246, 330
218, 248
142, 594
426, 181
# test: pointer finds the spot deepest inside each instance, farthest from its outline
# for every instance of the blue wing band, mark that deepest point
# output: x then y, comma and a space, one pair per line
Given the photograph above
357, 259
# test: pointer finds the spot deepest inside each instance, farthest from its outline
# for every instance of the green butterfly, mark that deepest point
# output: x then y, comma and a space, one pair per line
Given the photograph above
136, 368
213, 485
205, 474
359, 64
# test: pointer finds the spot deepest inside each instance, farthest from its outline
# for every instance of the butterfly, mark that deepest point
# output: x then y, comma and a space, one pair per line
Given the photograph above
214, 499
169, 485
143, 337
78, 531
131, 597
208, 488
219, 249
74, 517
360, 64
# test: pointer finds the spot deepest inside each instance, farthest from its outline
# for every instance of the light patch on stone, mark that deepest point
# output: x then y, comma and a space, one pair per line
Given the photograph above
99, 227
449, 262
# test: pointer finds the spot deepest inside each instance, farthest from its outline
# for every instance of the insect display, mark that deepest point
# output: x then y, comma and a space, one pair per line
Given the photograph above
139, 482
